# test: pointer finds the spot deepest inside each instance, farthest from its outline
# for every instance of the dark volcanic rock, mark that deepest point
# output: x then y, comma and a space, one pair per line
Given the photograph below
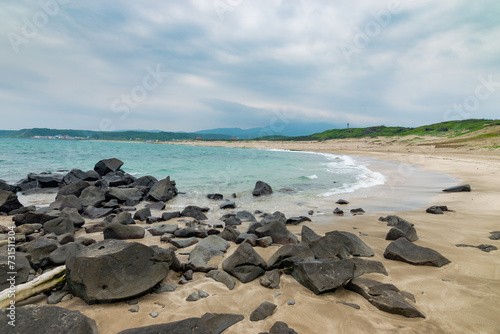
230, 233
261, 189
21, 269
359, 248
363, 266
123, 195
278, 232
40, 251
69, 201
246, 237
402, 229
163, 190
163, 228
465, 187
323, 275
288, 254
33, 218
73, 216
342, 202
114, 270
46, 180
437, 209
227, 205
123, 232
74, 176
222, 277
232, 220
123, 218
385, 297
73, 189
280, 327
59, 226
204, 251
144, 183
47, 319
404, 250
307, 235
338, 211
9, 201
170, 215
245, 216
61, 254
119, 178
266, 309
358, 211
217, 197
193, 212
245, 264
495, 235
106, 166
142, 214
92, 196
332, 246
297, 220
183, 243
156, 206
271, 279
7, 187
210, 323
95, 213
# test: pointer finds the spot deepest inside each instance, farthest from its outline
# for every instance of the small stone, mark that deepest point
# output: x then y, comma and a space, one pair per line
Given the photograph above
203, 294
355, 306
165, 288
194, 296
135, 309
133, 302
291, 302
277, 294
153, 314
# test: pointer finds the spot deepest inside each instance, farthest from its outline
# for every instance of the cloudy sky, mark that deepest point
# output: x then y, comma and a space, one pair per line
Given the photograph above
177, 65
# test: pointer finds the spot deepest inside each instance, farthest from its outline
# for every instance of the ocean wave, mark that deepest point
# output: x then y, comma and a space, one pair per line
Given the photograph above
368, 179
312, 177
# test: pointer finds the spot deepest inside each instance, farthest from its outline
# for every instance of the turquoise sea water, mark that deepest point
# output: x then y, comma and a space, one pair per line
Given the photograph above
306, 179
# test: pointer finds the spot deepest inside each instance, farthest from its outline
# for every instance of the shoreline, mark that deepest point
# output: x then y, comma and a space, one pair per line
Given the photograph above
463, 296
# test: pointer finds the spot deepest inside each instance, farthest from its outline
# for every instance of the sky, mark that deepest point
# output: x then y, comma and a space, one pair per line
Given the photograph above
203, 64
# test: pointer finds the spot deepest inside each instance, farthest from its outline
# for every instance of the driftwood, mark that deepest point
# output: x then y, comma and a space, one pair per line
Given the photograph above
42, 283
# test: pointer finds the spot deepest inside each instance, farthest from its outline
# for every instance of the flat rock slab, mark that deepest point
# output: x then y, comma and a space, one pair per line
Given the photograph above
210, 323
47, 319
205, 250
266, 309
222, 277
123, 232
404, 250
483, 247
385, 297
464, 187
323, 275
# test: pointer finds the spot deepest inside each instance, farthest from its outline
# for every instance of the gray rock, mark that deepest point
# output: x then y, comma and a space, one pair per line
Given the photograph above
165, 288
217, 197
63, 239
114, 270
134, 309
358, 211
307, 235
385, 297
95, 213
266, 309
142, 214
123, 218
271, 279
354, 306
495, 235
183, 243
227, 205
403, 250
40, 251
106, 166
230, 233
264, 242
358, 247
297, 220
59, 226
163, 228
34, 218
170, 215
261, 189
323, 275
363, 266
123, 195
342, 202
22, 269
245, 216
333, 245
48, 319
46, 180
245, 237
193, 296
123, 232
72, 215
194, 212
92, 196
222, 277
465, 187
28, 228
280, 327
153, 314
338, 211
60, 255
163, 190
56, 296
207, 248
286, 255
402, 229
145, 183
245, 264
75, 176
157, 206
278, 232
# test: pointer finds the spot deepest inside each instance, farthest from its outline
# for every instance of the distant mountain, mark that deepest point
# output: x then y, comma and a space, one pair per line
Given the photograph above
279, 129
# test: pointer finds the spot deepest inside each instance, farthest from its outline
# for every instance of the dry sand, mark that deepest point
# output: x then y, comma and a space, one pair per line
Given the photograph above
461, 297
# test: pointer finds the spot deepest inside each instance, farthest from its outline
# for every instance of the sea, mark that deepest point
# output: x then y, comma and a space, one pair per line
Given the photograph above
301, 180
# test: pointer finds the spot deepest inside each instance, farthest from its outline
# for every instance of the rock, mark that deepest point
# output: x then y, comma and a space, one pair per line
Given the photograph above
271, 279
170, 215
385, 297
276, 216
28, 228
73, 189
227, 205
358, 247
92, 196
40, 250
333, 245
342, 202
163, 228
266, 309
278, 232
22, 210
264, 242
64, 239
123, 218
123, 195
250, 238
230, 233
204, 251
72, 215
338, 211
280, 327
9, 201
114, 270
486, 248
75, 176
92, 175
495, 235
165, 288
144, 183
46, 180
163, 190
222, 277
48, 319
394, 220
194, 296
437, 209
60, 255
307, 235
232, 220
95, 213
33, 218
291, 302
402, 229
134, 309
56, 296
245, 216
157, 206
193, 212
106, 166
217, 197
261, 189
297, 220
168, 256
119, 178
153, 314
187, 232
354, 306
7, 187
210, 323
142, 214
286, 255
22, 269
123, 232
465, 187
404, 250
363, 266
323, 275
245, 264
358, 211
183, 243
59, 226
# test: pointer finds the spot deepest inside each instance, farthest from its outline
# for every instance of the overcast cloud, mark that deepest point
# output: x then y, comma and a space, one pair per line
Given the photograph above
200, 64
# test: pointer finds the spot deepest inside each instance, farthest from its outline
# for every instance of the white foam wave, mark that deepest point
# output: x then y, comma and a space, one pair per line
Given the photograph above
312, 177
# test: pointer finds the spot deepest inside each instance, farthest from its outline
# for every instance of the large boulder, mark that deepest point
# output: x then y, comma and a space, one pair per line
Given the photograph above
47, 319
6, 187
286, 255
145, 183
278, 232
163, 228
114, 270
363, 266
123, 218
73, 216
385, 297
39, 252
209, 323
333, 245
74, 175
464, 187
404, 250
222, 277
245, 264
106, 166
142, 214
123, 232
280, 327
9, 201
21, 269
194, 212
34, 218
307, 235
245, 216
123, 195
59, 226
261, 189
204, 251
46, 180
119, 178
61, 254
402, 229
323, 275
358, 247
163, 190
73, 189
265, 309
92, 196
94, 213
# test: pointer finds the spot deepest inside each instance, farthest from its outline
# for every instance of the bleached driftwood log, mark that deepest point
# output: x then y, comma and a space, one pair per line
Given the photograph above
42, 283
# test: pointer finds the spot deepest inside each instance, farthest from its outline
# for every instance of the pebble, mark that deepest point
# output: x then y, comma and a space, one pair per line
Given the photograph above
291, 302
134, 309
153, 314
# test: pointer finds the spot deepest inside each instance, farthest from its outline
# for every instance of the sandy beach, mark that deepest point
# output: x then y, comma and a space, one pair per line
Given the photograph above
461, 297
